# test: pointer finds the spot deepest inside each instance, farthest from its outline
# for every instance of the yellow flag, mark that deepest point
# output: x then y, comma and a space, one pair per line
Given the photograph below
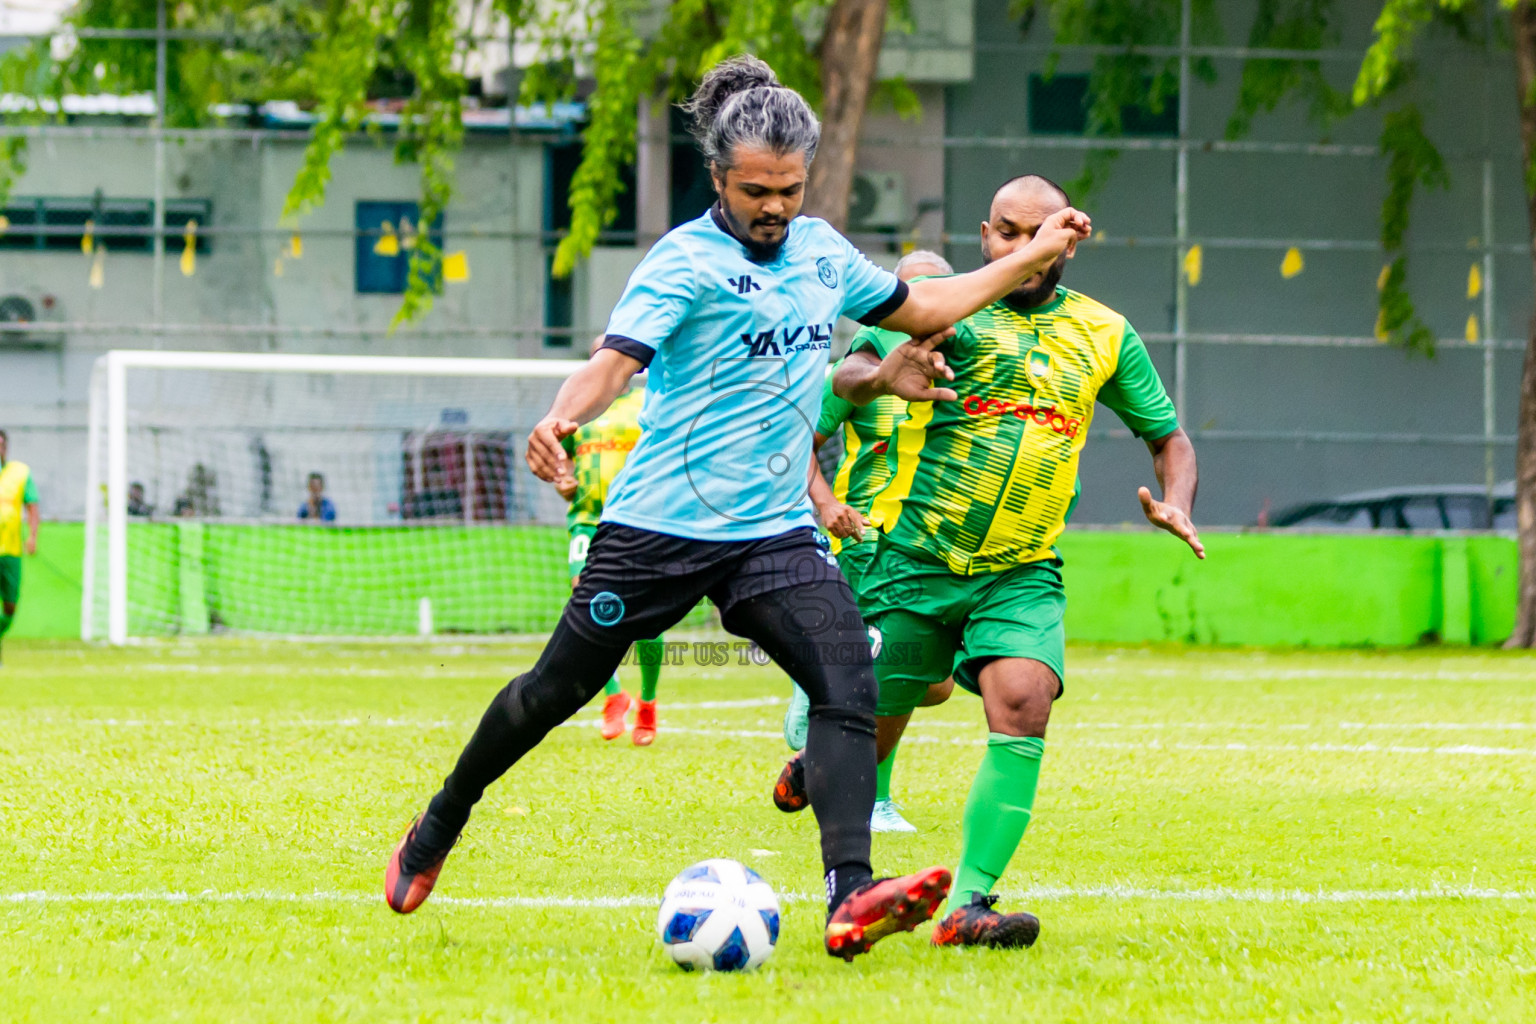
1193, 264
1293, 264
1381, 278
98, 275
296, 246
1472, 329
1380, 330
456, 266
1474, 281
388, 243
5, 223
407, 234
88, 240
189, 250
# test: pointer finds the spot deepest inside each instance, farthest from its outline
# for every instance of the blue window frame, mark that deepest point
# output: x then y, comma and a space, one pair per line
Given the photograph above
378, 274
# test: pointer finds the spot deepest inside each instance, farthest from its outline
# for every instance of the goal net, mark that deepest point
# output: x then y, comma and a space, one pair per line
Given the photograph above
319, 496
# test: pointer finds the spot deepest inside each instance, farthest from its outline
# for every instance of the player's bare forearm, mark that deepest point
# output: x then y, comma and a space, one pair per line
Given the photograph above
34, 520
858, 378
937, 303
582, 398
1173, 460
842, 521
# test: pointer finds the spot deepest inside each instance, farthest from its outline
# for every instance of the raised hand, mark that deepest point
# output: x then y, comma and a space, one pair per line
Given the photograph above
546, 457
1171, 518
1062, 230
911, 368
566, 487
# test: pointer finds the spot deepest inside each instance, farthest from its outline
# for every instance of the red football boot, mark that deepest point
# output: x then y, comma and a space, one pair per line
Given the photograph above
789, 793
614, 709
644, 733
405, 890
977, 924
884, 907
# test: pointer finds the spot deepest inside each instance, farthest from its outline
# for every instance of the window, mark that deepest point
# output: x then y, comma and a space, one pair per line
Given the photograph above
1422, 514
1465, 512
383, 261
692, 191
560, 162
1059, 106
122, 225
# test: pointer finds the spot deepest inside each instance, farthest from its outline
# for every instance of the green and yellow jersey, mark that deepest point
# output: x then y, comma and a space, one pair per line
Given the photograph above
865, 467
16, 492
598, 450
988, 481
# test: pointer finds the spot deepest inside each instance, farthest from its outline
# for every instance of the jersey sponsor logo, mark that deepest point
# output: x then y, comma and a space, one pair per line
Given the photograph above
744, 284
1045, 416
606, 608
781, 341
588, 447
826, 273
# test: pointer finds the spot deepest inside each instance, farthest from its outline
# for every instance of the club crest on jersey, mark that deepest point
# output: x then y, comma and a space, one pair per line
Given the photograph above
1040, 369
826, 273
606, 608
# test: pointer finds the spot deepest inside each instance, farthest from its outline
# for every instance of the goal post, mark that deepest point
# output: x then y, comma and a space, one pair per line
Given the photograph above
427, 516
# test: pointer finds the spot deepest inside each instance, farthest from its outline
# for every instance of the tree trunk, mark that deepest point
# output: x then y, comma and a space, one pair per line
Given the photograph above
850, 50
1523, 21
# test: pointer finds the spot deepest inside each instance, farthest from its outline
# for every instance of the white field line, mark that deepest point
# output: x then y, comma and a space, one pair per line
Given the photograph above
1154, 746
1113, 892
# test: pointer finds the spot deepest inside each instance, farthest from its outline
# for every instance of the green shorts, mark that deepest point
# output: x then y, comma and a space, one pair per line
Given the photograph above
10, 579
934, 623
581, 538
854, 558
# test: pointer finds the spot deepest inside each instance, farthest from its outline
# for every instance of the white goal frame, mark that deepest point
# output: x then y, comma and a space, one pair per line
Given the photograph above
109, 412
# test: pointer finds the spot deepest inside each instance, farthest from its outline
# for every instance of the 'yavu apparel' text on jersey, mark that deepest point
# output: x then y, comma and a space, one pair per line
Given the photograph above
16, 492
737, 352
865, 467
598, 450
988, 481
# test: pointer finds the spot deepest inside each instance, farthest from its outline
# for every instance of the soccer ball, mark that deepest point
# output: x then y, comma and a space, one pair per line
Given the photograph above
718, 915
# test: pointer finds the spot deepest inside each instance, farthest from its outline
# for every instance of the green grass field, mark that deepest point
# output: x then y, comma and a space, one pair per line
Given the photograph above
198, 832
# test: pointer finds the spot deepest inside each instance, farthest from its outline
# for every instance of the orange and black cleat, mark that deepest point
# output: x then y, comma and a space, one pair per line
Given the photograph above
405, 889
884, 907
789, 793
644, 732
977, 924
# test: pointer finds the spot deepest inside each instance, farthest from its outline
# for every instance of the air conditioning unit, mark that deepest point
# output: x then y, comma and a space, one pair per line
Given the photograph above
878, 202
25, 320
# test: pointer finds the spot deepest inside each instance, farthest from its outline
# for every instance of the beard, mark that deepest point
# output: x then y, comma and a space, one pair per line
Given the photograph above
1030, 296
757, 252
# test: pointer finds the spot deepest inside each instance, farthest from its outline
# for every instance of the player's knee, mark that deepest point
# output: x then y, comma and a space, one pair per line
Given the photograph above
1017, 694
9, 608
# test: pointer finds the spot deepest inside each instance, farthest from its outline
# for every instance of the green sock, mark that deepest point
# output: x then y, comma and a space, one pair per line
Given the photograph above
612, 686
883, 775
650, 654
997, 812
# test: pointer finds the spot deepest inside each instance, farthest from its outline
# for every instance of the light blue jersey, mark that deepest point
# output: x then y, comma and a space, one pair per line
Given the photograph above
737, 354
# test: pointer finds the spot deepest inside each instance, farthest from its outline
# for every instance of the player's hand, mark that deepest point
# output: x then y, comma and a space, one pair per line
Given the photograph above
31, 545
546, 457
1060, 231
842, 521
911, 368
566, 486
1171, 518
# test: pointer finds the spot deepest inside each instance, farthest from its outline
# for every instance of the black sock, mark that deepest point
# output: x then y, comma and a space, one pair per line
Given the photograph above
842, 881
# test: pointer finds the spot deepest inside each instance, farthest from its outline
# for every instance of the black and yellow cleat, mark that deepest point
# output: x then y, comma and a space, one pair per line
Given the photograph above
977, 924
885, 907
789, 793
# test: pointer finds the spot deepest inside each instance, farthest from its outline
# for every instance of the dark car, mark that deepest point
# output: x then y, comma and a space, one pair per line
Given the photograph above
1449, 507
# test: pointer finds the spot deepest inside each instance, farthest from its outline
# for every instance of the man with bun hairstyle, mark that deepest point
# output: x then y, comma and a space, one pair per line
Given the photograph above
733, 315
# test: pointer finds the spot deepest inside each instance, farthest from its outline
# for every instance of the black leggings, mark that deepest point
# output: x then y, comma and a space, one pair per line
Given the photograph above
813, 631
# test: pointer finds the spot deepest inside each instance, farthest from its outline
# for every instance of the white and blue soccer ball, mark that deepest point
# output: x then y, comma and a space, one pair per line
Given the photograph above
719, 915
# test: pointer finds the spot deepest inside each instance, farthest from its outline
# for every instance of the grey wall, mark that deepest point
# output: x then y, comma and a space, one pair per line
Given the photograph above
1272, 201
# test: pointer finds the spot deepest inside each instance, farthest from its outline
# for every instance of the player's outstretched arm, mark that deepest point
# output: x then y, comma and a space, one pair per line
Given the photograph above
908, 371
1173, 460
938, 302
34, 522
582, 398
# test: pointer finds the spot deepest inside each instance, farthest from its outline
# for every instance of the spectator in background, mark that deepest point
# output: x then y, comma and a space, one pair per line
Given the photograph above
137, 506
317, 506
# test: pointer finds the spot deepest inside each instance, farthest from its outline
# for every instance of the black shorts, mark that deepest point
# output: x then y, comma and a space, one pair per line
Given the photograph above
638, 583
